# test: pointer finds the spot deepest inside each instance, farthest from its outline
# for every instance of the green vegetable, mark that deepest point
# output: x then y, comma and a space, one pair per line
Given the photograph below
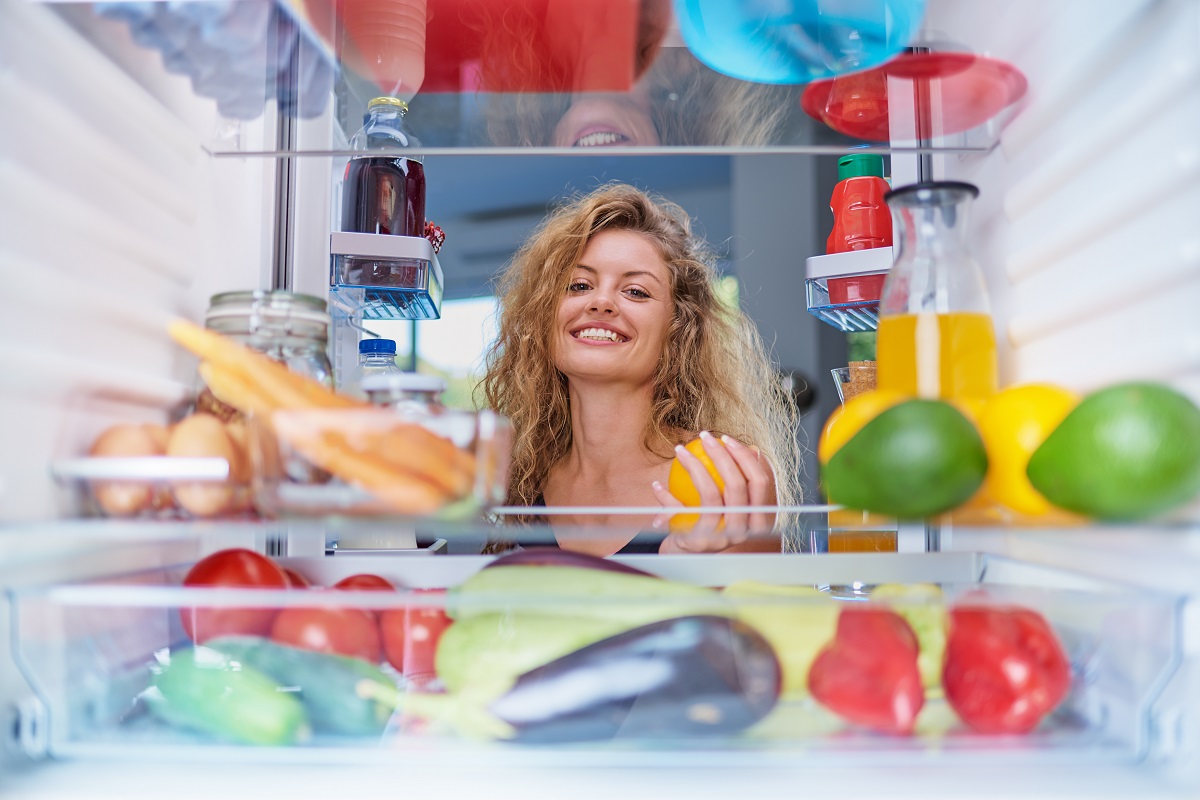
580, 592
324, 682
203, 689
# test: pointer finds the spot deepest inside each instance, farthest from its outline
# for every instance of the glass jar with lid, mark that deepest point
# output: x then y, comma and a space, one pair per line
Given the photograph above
288, 327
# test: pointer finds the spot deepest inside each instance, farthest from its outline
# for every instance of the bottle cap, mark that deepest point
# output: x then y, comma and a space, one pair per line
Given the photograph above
387, 346
403, 382
388, 101
858, 165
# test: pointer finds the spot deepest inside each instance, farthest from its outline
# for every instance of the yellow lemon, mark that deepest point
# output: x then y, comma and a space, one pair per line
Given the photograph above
679, 482
1013, 424
850, 418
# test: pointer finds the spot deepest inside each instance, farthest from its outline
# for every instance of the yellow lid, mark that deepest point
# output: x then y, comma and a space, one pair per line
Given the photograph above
388, 101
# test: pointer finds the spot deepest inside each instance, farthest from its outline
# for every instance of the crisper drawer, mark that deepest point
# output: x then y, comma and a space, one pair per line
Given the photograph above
715, 661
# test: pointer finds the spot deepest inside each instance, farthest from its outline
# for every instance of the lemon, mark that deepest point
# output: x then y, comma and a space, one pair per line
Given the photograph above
679, 482
916, 459
1013, 424
850, 418
1126, 452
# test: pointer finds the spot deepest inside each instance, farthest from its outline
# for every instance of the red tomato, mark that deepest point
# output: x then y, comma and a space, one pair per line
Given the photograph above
366, 581
295, 579
345, 631
1004, 669
234, 567
868, 674
410, 636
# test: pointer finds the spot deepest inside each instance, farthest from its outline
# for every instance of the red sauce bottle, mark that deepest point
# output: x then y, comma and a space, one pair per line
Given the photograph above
861, 219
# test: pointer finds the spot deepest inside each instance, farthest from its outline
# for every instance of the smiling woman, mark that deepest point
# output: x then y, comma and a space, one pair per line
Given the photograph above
614, 348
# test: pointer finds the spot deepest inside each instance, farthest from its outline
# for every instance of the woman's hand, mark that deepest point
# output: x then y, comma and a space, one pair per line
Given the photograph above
749, 481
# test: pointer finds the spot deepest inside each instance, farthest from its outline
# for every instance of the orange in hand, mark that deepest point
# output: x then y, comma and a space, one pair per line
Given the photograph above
679, 482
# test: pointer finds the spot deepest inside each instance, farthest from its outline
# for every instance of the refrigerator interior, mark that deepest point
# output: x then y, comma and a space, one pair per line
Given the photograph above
130, 199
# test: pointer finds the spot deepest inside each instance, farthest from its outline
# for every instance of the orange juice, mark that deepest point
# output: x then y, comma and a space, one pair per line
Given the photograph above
937, 355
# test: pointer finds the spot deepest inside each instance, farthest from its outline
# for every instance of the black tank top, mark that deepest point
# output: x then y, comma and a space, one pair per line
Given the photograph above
643, 542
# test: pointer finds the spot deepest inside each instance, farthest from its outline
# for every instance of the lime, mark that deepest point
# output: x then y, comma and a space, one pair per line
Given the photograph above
916, 459
1126, 452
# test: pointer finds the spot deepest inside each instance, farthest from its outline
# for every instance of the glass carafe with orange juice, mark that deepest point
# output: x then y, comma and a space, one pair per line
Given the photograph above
936, 338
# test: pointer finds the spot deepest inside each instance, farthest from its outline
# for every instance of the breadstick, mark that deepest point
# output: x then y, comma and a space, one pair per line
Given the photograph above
284, 388
403, 491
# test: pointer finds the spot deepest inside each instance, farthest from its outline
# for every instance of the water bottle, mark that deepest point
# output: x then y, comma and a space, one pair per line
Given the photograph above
384, 193
375, 357
415, 396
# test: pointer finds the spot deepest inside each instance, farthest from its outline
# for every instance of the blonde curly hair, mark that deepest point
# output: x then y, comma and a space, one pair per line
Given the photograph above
715, 373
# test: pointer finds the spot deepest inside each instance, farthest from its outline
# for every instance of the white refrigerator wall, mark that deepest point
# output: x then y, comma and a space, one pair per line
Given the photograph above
113, 218
1088, 223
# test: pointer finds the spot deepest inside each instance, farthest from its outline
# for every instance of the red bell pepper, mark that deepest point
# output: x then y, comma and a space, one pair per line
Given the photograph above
868, 674
1005, 669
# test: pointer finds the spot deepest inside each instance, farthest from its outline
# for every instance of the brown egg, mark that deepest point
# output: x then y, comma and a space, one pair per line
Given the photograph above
125, 498
202, 436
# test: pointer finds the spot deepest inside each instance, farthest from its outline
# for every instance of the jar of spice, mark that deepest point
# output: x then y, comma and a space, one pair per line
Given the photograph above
288, 327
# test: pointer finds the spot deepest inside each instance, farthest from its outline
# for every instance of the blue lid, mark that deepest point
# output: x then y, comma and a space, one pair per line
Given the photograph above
387, 346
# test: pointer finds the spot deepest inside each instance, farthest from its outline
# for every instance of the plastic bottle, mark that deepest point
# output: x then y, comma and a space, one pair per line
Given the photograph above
375, 357
384, 193
861, 219
385, 41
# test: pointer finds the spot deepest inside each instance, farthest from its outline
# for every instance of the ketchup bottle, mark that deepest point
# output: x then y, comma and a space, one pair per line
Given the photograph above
861, 219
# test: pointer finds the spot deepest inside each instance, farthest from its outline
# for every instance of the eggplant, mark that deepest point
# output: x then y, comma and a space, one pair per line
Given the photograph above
685, 677
556, 557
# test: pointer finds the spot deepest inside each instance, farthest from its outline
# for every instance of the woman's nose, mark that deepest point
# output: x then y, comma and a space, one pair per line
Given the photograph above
602, 305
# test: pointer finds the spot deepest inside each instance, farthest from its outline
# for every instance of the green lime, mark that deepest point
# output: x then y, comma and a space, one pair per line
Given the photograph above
1126, 452
916, 459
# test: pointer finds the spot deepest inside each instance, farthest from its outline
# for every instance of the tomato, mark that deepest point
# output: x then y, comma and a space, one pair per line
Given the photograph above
1005, 669
868, 674
366, 581
410, 635
236, 567
295, 579
345, 631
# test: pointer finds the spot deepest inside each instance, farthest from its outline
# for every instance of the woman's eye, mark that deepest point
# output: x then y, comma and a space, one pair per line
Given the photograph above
641, 294
578, 286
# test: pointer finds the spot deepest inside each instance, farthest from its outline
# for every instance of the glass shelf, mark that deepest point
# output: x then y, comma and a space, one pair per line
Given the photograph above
261, 61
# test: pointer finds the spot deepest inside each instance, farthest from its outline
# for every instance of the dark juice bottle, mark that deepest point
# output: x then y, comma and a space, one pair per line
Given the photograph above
383, 192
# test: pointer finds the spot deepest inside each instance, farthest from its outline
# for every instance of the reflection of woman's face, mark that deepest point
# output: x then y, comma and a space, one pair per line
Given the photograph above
607, 120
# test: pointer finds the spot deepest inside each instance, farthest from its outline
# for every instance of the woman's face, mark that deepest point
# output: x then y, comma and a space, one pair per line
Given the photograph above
613, 321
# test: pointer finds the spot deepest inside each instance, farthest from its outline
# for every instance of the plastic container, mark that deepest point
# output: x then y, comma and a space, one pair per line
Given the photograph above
384, 193
936, 335
796, 42
385, 41
94, 648
407, 392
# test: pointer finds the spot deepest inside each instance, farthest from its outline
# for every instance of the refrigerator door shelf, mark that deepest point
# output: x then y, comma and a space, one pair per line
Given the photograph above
844, 289
380, 276
89, 651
